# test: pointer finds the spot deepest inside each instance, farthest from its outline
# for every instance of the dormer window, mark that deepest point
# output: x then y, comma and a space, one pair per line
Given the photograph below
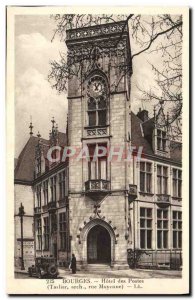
39, 165
161, 140
38, 194
53, 188
97, 101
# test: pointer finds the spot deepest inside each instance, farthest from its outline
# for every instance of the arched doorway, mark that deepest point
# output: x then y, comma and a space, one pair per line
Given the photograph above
98, 245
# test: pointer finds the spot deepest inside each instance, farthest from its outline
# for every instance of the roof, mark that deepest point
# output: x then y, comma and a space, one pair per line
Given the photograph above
25, 167
137, 138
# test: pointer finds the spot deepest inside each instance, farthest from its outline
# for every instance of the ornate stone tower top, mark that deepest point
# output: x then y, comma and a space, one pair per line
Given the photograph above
101, 48
100, 31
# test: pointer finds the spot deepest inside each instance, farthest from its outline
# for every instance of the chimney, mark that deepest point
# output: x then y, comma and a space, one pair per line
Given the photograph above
143, 115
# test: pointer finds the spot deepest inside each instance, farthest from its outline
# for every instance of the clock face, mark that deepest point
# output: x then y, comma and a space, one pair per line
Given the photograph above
96, 87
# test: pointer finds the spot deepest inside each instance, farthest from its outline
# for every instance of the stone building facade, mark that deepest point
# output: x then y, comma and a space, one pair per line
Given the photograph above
118, 209
42, 187
112, 210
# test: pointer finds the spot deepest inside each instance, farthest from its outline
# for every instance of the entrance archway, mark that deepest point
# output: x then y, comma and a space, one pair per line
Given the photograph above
98, 245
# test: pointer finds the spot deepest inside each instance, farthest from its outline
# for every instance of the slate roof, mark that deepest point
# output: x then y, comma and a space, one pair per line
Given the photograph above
137, 138
25, 167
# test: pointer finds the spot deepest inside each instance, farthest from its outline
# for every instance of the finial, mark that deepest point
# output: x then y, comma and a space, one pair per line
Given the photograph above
154, 112
31, 126
53, 122
38, 135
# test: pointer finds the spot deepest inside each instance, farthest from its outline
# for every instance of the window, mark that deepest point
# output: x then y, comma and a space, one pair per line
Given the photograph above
62, 228
177, 183
97, 101
38, 193
39, 235
62, 187
39, 165
177, 229
145, 228
53, 188
97, 168
45, 192
161, 140
162, 229
97, 110
145, 177
162, 179
46, 233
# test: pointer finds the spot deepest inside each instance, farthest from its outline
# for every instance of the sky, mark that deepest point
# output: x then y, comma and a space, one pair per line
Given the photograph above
34, 97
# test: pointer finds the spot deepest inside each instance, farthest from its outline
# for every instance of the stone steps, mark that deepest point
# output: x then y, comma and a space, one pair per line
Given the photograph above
98, 267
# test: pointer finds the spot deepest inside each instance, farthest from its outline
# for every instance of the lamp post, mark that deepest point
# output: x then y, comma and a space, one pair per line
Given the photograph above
21, 214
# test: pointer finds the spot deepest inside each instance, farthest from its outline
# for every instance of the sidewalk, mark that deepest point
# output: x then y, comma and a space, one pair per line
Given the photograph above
131, 273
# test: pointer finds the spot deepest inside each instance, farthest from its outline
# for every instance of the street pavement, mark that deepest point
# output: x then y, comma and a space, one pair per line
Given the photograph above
130, 273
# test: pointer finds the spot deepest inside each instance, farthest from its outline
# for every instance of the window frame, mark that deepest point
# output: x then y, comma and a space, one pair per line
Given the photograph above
46, 233
147, 175
162, 178
162, 140
178, 183
45, 192
53, 182
38, 165
38, 195
163, 229
39, 234
177, 231
63, 231
62, 184
97, 163
146, 229
97, 111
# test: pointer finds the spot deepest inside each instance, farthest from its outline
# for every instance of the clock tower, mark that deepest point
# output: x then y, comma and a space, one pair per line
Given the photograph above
99, 121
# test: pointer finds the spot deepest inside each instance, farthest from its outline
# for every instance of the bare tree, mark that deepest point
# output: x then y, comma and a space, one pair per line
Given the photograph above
159, 34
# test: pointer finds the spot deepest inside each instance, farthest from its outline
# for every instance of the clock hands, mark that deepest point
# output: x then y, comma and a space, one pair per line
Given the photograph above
97, 86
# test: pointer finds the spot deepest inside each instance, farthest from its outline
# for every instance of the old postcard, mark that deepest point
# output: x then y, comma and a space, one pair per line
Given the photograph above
97, 143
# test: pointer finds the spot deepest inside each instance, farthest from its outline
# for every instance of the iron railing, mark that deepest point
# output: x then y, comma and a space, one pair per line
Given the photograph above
97, 185
155, 259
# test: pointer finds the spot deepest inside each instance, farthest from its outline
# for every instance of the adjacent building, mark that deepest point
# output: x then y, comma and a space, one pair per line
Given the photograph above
110, 210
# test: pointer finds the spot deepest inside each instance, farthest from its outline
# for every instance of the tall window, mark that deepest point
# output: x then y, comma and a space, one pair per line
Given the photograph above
62, 227
97, 168
39, 165
161, 140
145, 177
145, 228
177, 229
62, 186
45, 192
97, 101
162, 179
46, 233
162, 229
53, 188
97, 111
177, 183
38, 193
39, 235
